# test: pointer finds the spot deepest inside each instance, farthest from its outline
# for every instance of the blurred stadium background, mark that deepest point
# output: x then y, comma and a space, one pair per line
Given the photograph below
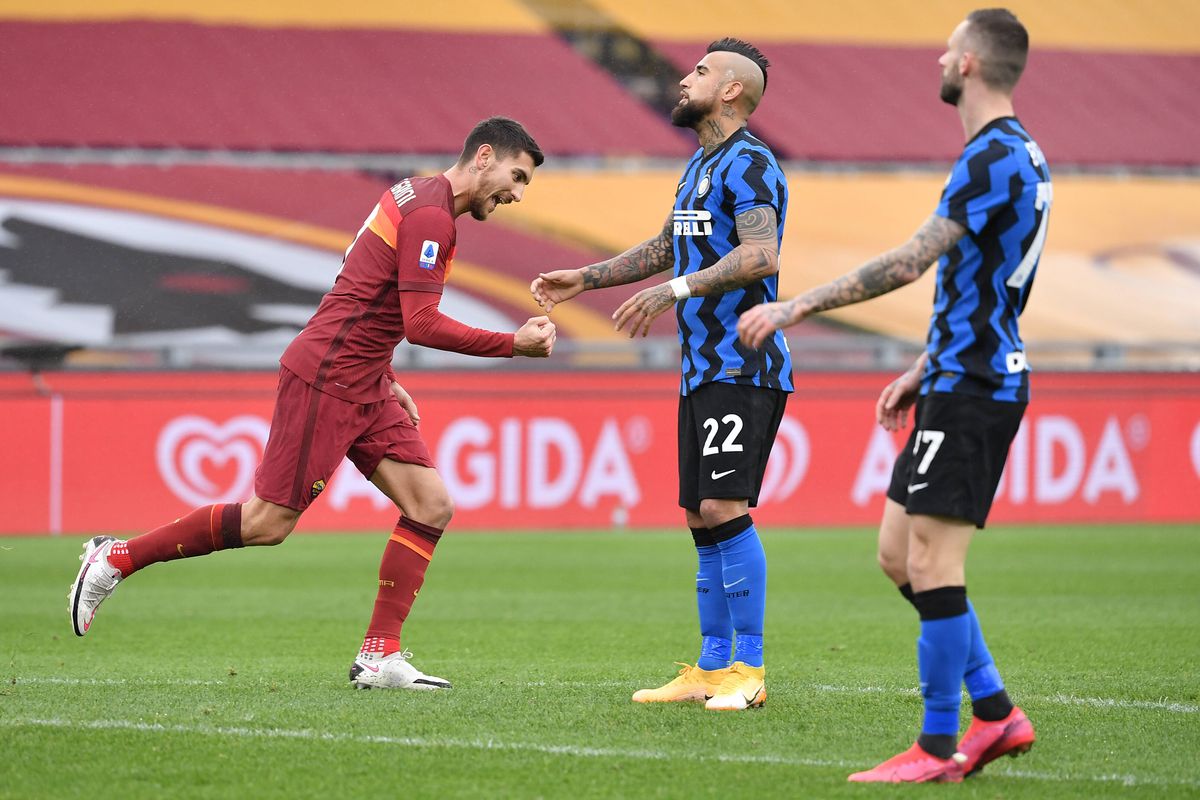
178, 182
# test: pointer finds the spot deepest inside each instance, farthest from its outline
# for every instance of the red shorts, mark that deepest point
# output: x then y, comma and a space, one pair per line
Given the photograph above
312, 431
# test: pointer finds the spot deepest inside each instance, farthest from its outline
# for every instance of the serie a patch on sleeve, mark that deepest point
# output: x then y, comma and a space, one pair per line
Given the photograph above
429, 253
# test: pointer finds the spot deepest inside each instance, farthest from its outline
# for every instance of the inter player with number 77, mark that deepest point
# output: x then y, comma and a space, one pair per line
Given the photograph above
970, 386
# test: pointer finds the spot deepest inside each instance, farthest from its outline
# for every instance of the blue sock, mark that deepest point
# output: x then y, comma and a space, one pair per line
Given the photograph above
715, 653
750, 649
744, 577
982, 677
942, 656
715, 625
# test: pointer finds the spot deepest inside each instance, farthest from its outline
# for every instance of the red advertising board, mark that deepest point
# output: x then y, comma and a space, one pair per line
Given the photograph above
87, 452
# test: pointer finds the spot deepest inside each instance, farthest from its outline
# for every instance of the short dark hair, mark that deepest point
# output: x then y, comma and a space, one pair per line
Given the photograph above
1003, 43
506, 136
731, 45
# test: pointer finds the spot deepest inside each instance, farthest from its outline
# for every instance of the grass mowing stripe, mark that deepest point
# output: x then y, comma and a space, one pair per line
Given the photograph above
549, 749
1058, 699
410, 741
1094, 629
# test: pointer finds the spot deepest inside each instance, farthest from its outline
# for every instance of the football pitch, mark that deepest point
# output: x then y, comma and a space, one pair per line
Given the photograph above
227, 676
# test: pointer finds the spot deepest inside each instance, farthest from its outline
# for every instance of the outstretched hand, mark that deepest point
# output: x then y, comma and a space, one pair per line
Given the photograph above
763, 320
639, 311
551, 288
535, 339
891, 409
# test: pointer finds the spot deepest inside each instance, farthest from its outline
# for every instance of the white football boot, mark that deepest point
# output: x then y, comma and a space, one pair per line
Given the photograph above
96, 581
392, 672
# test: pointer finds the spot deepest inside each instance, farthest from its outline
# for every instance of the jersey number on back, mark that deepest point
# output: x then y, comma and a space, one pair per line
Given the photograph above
1020, 276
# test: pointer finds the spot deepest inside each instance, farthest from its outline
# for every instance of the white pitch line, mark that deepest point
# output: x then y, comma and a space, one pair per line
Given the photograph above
1104, 702
1169, 706
537, 747
116, 682
1056, 699
415, 741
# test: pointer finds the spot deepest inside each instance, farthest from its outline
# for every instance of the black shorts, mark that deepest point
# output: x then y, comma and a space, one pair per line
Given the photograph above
952, 463
726, 431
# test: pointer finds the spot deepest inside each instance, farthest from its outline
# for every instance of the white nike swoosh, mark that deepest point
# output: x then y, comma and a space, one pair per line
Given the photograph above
916, 487
735, 583
716, 476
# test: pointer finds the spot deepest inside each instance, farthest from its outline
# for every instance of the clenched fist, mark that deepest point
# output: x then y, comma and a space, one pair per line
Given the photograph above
535, 339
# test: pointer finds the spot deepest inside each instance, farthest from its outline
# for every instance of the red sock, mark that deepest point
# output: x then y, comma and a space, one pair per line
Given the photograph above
199, 533
379, 646
401, 573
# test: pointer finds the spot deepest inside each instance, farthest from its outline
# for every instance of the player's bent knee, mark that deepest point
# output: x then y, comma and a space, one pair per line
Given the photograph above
266, 524
274, 534
893, 565
435, 510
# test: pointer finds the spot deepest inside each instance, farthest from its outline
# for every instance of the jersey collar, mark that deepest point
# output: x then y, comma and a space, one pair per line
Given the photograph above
737, 135
994, 124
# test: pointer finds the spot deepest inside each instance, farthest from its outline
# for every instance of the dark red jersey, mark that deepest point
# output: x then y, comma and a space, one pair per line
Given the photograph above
388, 289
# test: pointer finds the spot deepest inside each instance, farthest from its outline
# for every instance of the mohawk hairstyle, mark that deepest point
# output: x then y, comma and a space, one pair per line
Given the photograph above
731, 45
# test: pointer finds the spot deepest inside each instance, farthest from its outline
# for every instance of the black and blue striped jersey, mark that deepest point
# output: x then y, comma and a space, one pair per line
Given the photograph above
740, 175
999, 190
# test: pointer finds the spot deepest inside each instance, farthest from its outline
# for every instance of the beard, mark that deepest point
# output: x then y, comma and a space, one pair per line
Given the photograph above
689, 114
950, 92
479, 208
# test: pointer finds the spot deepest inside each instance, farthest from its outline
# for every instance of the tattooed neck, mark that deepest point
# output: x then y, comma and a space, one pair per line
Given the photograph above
711, 133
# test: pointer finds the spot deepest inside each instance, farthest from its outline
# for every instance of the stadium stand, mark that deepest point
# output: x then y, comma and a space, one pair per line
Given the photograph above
41, 217
1124, 264
181, 85
499, 16
1110, 88
894, 116
859, 76
1108, 25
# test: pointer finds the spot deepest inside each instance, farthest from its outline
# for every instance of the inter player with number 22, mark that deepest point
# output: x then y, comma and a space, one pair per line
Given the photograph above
970, 387
723, 240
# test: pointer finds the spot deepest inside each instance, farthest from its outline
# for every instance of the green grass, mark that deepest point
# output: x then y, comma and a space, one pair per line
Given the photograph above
226, 676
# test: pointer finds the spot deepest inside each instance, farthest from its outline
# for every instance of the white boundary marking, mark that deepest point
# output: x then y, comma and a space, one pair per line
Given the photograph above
1169, 706
536, 747
1055, 699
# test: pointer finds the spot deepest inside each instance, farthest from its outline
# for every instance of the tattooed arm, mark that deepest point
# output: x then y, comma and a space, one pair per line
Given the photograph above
880, 275
756, 257
648, 258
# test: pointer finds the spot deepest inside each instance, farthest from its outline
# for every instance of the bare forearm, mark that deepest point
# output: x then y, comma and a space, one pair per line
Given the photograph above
918, 366
884, 273
740, 267
755, 258
879, 276
648, 258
